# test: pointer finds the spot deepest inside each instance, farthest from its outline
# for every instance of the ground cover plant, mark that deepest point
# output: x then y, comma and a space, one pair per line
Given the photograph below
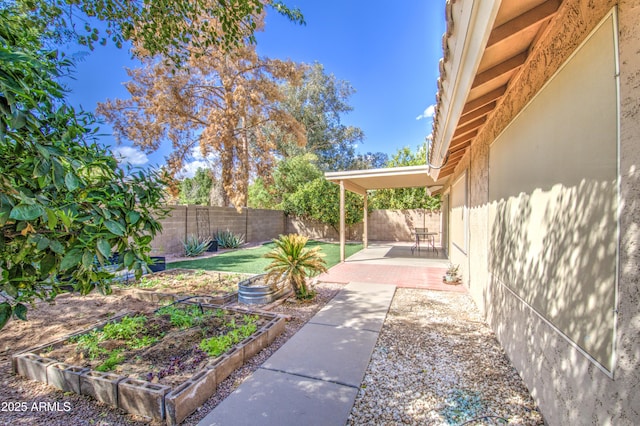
166, 346
252, 261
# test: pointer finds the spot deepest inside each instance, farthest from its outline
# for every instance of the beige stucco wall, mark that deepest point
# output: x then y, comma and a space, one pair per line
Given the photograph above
569, 387
460, 255
553, 199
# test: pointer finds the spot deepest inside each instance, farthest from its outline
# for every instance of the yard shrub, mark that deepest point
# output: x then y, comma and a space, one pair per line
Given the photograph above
294, 263
227, 239
193, 246
65, 205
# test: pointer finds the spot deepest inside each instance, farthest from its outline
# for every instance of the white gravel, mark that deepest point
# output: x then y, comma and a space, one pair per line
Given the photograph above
437, 362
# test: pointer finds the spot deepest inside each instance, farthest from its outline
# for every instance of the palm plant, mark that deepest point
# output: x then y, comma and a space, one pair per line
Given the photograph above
294, 263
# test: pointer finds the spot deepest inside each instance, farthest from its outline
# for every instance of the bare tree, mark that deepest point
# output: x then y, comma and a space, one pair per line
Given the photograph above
220, 103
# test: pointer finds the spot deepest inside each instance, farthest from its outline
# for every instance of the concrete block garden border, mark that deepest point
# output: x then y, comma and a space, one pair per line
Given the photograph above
140, 397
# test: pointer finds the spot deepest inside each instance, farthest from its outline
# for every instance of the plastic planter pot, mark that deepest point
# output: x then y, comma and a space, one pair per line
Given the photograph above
159, 264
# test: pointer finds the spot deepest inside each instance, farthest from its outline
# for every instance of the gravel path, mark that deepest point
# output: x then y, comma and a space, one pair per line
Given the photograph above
437, 362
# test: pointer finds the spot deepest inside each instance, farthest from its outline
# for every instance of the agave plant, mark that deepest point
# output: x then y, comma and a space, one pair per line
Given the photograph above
193, 246
227, 239
294, 263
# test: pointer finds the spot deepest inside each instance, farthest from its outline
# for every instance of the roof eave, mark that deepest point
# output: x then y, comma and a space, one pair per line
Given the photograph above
469, 27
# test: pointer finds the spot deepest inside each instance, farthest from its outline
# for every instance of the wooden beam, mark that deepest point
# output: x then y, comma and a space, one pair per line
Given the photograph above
459, 148
483, 100
353, 187
457, 154
464, 138
443, 173
526, 20
502, 68
468, 128
450, 168
480, 112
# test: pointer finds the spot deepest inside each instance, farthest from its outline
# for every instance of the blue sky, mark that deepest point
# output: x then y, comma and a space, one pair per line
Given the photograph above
388, 52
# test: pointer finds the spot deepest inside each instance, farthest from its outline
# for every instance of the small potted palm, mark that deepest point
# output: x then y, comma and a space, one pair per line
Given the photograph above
293, 264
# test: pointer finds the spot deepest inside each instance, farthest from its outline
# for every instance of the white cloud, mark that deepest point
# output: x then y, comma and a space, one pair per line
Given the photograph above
130, 155
189, 169
428, 113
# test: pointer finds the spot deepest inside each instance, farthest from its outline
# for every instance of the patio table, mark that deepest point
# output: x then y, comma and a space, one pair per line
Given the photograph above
429, 237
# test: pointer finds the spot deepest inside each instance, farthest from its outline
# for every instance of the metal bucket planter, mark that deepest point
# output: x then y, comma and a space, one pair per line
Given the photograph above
254, 291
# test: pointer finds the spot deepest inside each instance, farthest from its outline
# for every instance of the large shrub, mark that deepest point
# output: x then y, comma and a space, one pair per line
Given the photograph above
320, 200
65, 206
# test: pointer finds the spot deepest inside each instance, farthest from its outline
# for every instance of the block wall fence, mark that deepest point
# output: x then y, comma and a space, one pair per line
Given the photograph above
260, 225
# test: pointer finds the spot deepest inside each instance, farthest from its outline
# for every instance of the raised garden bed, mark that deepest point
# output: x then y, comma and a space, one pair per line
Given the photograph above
161, 365
222, 287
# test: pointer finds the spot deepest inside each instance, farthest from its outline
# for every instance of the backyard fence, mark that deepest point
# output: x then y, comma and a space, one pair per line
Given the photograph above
260, 225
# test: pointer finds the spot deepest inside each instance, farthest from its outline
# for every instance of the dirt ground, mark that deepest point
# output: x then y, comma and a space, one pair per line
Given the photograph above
26, 402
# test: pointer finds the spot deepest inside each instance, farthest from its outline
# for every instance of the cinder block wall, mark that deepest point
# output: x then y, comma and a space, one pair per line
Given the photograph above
262, 225
318, 230
256, 225
398, 225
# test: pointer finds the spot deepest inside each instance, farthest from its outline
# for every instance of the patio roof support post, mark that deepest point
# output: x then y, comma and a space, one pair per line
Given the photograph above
342, 220
365, 230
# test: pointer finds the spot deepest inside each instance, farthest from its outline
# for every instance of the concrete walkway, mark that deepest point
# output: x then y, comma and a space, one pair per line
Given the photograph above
314, 378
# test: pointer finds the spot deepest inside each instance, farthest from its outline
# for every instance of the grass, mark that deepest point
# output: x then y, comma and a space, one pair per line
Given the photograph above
252, 261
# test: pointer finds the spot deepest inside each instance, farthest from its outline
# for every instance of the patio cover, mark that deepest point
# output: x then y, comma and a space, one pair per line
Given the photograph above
361, 181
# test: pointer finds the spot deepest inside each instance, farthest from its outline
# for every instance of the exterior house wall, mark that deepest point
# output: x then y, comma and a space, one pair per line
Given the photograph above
460, 255
565, 379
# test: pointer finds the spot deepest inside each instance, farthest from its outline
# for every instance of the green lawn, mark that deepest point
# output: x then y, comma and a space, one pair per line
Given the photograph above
252, 261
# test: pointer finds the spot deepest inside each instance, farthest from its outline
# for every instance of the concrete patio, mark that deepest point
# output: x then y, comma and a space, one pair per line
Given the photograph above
394, 263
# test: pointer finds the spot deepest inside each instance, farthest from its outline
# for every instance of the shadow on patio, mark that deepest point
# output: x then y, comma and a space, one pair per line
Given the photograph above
394, 263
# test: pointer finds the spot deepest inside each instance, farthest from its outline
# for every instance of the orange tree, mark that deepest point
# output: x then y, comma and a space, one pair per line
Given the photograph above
65, 206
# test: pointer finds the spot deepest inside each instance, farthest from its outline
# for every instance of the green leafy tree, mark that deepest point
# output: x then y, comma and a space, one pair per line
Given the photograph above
370, 160
173, 29
319, 104
197, 190
405, 198
289, 175
65, 206
320, 200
